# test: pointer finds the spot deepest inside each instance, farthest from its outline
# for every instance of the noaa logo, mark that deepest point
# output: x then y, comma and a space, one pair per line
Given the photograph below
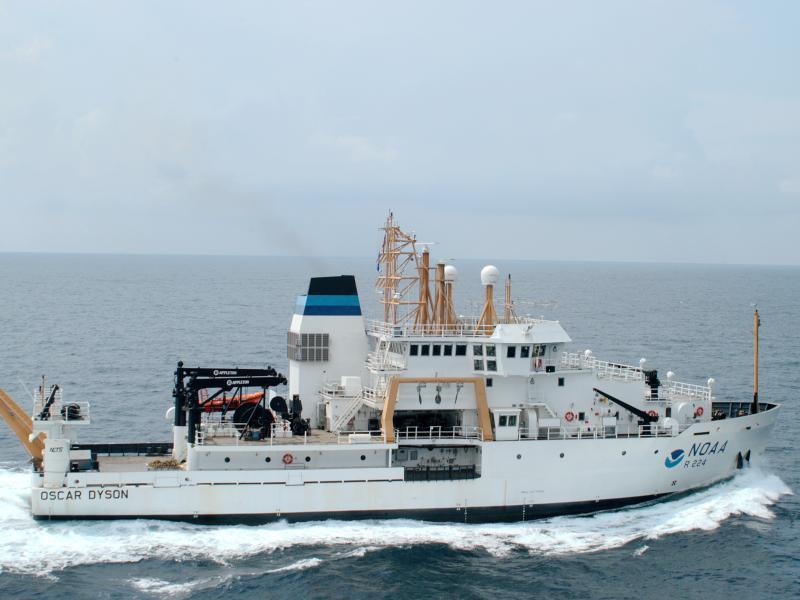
674, 459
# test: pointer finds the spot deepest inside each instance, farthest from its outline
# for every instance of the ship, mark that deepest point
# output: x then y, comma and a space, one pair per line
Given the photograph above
424, 413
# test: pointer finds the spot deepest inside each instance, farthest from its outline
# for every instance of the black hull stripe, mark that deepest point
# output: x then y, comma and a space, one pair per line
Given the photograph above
482, 514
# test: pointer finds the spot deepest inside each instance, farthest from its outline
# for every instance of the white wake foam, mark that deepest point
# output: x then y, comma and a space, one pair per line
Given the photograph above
37, 547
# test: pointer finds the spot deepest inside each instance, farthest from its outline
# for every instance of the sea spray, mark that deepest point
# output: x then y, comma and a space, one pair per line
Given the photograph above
40, 547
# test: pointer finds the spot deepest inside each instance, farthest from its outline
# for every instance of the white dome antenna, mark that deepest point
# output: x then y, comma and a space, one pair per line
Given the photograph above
489, 275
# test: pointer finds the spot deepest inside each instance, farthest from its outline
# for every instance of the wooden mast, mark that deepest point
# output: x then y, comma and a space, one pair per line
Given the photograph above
508, 306
425, 304
441, 296
397, 254
756, 325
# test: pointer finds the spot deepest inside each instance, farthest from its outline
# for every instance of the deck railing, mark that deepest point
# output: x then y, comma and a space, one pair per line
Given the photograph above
593, 433
208, 432
464, 327
45, 409
437, 432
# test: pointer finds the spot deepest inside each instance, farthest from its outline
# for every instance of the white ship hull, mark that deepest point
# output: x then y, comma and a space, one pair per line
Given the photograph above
518, 480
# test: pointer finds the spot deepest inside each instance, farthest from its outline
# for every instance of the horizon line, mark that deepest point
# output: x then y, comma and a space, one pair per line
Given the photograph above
351, 257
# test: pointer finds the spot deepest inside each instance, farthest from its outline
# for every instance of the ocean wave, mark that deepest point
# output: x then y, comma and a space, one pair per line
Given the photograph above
38, 547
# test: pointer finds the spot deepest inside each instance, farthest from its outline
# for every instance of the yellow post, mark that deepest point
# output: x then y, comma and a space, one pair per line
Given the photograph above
481, 404
22, 425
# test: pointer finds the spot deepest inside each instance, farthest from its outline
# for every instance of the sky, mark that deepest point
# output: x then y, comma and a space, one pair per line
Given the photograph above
621, 130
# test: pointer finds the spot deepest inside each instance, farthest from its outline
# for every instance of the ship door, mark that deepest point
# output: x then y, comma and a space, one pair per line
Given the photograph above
506, 424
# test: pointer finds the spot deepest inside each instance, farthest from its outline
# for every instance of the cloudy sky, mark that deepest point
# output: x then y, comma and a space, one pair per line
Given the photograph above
654, 131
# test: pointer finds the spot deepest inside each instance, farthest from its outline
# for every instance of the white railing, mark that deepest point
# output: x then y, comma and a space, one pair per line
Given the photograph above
677, 390
233, 432
383, 359
599, 432
464, 327
58, 409
437, 432
603, 369
374, 398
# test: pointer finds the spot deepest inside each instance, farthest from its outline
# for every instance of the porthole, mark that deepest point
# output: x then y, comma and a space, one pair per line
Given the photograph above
655, 452
624, 452
268, 459
561, 455
308, 459
519, 456
227, 459
363, 457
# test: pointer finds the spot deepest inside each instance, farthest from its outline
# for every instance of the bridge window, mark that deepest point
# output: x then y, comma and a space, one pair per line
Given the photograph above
502, 421
461, 349
437, 350
491, 365
478, 364
560, 382
511, 352
426, 350
525, 352
490, 350
413, 350
477, 350
447, 350
512, 420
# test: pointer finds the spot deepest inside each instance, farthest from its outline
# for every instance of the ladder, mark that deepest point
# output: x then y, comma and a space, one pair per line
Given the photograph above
348, 413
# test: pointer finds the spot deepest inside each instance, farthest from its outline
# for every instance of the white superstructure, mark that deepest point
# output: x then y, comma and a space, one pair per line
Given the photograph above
424, 414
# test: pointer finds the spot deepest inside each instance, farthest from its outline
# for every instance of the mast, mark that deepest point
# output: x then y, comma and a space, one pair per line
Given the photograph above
425, 303
508, 305
488, 318
756, 325
398, 252
440, 305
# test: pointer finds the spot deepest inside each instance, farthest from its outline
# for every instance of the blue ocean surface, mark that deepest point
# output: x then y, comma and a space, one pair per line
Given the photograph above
109, 329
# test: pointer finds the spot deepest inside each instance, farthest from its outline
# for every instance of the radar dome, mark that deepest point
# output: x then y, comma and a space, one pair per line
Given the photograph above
489, 275
450, 273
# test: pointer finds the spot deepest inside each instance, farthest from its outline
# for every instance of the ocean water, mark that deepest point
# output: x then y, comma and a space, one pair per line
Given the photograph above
110, 329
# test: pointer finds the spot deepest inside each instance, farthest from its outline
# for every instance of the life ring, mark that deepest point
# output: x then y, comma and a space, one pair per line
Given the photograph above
652, 413
698, 411
288, 459
569, 416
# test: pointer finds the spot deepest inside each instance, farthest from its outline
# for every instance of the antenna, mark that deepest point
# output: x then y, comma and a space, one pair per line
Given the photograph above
756, 325
398, 252
488, 318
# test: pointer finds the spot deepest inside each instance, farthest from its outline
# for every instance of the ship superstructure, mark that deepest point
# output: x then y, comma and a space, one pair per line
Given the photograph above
425, 413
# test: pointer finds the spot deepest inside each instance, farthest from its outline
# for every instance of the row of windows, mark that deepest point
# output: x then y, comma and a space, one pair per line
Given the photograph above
488, 350
437, 349
525, 351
